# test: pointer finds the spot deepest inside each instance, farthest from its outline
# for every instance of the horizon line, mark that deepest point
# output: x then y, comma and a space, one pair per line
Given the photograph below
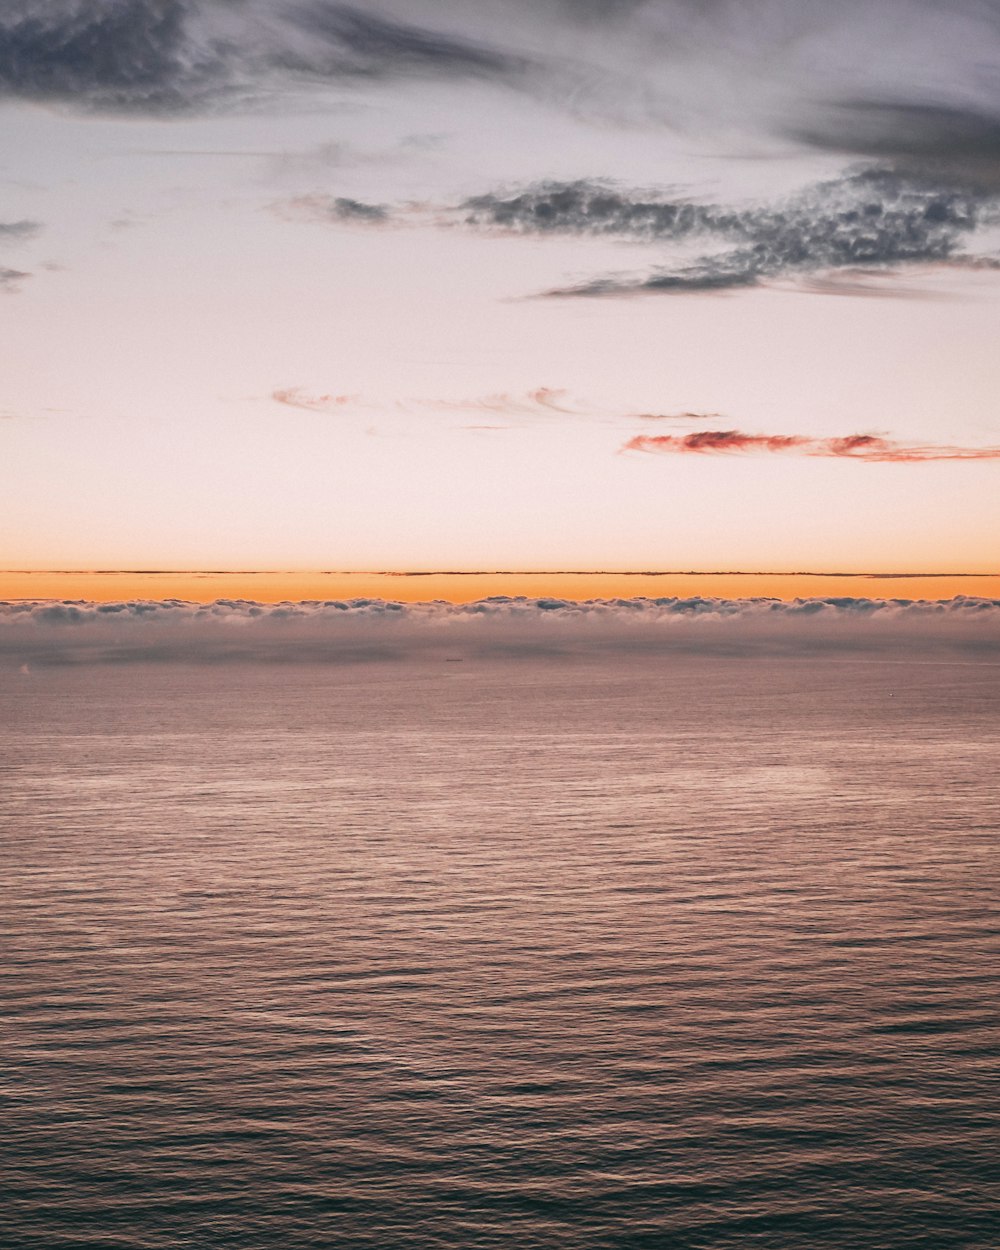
129, 572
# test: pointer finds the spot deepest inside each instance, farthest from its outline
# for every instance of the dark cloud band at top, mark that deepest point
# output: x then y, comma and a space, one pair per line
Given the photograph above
362, 42
178, 56
901, 79
114, 54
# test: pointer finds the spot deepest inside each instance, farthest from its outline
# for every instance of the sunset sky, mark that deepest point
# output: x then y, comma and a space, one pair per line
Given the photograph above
499, 284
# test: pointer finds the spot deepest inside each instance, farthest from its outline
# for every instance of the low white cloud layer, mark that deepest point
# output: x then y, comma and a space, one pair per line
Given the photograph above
345, 631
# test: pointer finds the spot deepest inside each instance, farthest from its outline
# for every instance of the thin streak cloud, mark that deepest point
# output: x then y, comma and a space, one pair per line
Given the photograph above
870, 447
297, 397
675, 416
543, 401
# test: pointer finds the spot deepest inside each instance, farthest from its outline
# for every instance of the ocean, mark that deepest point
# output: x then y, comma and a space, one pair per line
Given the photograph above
684, 952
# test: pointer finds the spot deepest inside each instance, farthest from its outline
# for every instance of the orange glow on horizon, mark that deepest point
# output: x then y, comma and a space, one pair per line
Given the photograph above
272, 587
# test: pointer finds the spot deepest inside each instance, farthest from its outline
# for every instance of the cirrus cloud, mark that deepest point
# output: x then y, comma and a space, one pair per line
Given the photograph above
542, 401
298, 397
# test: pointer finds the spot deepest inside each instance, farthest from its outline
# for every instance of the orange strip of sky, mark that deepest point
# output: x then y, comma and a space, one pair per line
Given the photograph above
270, 587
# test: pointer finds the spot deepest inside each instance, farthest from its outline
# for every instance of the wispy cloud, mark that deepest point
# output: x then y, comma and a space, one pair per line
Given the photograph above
366, 630
546, 402
872, 447
675, 416
543, 401
297, 397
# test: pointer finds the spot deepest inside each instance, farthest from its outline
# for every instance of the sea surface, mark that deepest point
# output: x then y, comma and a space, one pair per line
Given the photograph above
684, 953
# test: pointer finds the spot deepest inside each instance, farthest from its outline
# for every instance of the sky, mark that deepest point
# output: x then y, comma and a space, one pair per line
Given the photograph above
491, 284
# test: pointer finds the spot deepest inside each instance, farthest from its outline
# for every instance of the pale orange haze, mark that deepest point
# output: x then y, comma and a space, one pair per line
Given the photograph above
467, 587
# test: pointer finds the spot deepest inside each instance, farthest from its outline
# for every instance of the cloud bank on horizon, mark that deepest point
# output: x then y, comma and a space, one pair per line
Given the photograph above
346, 631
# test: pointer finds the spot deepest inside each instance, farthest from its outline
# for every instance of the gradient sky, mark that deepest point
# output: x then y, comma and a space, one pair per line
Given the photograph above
498, 284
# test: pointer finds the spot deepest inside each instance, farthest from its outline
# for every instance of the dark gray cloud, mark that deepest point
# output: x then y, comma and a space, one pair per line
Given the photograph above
341, 208
594, 208
345, 631
909, 79
14, 231
909, 131
11, 279
111, 54
336, 209
174, 56
875, 219
352, 40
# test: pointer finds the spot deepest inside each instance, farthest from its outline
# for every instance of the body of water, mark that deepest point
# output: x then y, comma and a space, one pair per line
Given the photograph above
687, 954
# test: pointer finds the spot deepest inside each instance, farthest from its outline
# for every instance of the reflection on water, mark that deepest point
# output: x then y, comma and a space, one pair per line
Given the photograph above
692, 954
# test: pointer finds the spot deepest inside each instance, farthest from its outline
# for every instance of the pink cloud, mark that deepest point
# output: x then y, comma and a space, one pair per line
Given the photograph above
871, 447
